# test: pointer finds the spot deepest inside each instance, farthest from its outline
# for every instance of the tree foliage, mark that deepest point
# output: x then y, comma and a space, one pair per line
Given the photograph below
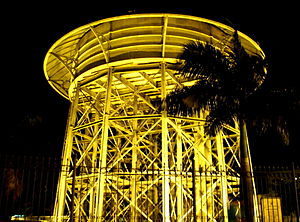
225, 79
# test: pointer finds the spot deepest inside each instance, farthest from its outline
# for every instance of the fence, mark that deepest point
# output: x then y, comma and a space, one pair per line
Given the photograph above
278, 190
28, 187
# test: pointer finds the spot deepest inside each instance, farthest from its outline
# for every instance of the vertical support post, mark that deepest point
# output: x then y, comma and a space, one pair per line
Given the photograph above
222, 172
103, 149
133, 216
209, 180
179, 186
206, 181
94, 166
66, 159
164, 139
155, 188
73, 190
196, 177
194, 187
202, 161
200, 181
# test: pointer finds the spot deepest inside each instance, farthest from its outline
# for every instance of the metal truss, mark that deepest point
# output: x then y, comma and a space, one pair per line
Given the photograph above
124, 159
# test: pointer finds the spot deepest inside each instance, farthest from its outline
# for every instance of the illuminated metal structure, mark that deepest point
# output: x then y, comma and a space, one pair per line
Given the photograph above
124, 159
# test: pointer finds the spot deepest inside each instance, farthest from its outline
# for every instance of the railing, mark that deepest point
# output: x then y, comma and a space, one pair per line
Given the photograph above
28, 187
278, 189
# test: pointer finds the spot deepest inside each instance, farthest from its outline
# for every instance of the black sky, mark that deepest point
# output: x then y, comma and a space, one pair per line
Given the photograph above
34, 115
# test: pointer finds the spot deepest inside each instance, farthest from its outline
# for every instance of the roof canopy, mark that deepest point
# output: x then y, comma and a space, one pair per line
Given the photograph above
133, 41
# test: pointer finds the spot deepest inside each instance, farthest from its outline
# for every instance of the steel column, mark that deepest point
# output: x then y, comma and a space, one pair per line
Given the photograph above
103, 149
164, 148
66, 159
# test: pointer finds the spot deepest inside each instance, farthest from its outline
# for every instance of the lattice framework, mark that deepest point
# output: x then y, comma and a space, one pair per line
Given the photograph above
135, 163
124, 158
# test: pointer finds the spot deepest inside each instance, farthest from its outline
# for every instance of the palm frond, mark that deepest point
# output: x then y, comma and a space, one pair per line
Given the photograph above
203, 61
223, 111
225, 81
189, 101
176, 104
249, 71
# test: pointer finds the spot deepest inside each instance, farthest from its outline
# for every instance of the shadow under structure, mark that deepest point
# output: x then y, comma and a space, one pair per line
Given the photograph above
124, 158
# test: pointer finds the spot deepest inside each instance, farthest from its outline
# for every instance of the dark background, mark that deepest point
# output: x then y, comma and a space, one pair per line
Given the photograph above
33, 115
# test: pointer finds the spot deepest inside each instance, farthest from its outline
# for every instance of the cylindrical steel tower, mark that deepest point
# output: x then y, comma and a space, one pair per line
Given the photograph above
123, 158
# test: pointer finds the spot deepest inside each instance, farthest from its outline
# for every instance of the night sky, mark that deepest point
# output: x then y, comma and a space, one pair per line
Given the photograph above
34, 115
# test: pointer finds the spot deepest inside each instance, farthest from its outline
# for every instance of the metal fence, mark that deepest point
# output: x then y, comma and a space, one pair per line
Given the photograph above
28, 187
278, 189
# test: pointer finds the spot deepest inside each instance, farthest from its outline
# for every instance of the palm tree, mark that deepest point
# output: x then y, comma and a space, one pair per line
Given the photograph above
225, 80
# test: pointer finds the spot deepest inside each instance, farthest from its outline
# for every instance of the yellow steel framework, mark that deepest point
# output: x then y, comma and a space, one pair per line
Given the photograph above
125, 159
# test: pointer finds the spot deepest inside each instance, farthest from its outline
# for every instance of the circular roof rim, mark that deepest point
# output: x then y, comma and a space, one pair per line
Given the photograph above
192, 17
140, 15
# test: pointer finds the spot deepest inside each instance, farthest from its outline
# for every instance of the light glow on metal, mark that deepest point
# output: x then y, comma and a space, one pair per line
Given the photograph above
123, 158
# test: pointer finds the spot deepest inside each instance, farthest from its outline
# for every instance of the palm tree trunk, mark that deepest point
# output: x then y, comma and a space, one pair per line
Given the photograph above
247, 187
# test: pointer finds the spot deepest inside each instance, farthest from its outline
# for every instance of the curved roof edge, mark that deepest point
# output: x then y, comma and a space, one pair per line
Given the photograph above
60, 58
